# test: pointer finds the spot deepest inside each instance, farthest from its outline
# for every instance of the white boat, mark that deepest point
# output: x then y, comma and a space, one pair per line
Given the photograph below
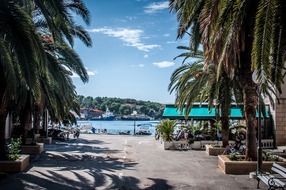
85, 127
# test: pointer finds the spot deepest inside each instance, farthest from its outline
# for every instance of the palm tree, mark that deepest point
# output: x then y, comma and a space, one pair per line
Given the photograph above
24, 58
193, 82
21, 55
238, 37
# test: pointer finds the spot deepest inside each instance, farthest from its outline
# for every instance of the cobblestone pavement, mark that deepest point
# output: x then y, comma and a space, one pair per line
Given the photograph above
122, 162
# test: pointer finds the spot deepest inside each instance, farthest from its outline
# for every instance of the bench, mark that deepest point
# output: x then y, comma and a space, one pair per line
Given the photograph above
277, 180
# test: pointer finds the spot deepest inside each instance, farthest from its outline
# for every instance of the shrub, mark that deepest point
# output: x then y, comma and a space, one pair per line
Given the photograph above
166, 129
235, 156
267, 156
14, 149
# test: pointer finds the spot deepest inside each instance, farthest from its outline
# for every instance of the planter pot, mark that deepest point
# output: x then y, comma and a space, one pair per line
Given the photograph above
196, 145
213, 150
29, 141
45, 140
32, 149
168, 145
37, 136
243, 167
205, 142
15, 166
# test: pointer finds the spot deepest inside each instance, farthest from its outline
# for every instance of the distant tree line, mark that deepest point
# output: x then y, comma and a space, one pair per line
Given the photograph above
121, 106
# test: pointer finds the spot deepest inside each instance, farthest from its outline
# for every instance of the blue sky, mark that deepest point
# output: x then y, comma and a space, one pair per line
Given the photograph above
134, 43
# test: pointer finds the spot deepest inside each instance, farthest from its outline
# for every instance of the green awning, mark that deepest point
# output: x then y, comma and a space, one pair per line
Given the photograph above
202, 112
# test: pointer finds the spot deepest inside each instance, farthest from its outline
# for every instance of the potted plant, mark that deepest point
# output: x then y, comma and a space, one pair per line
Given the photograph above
235, 163
31, 146
16, 162
166, 130
195, 142
14, 149
214, 149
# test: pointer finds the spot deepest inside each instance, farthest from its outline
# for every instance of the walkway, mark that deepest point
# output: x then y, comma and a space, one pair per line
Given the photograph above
122, 162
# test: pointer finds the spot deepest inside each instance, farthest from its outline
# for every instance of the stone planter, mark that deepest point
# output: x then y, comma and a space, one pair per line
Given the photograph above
243, 167
45, 140
37, 136
207, 142
30, 140
32, 149
212, 150
15, 166
168, 145
196, 145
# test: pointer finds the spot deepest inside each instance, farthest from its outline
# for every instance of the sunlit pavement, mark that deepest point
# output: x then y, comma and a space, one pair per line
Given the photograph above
122, 162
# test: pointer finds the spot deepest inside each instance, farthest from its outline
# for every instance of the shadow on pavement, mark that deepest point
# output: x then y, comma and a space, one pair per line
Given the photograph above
70, 166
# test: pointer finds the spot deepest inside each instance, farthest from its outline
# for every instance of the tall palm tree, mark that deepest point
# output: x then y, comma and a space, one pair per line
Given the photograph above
25, 60
238, 37
21, 56
194, 82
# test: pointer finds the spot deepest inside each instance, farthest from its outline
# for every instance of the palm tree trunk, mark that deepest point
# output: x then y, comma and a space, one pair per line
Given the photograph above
250, 100
45, 122
37, 118
3, 115
225, 99
26, 122
2, 136
250, 103
225, 125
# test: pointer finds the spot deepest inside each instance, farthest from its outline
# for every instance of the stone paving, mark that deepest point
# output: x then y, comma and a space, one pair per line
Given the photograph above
125, 163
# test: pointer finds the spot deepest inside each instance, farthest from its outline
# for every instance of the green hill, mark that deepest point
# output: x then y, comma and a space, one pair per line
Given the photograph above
121, 106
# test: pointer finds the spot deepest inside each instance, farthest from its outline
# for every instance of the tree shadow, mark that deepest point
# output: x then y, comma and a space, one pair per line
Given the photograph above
159, 184
83, 141
78, 147
65, 169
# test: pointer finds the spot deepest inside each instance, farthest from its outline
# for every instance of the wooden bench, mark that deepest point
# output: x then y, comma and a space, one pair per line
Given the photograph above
275, 180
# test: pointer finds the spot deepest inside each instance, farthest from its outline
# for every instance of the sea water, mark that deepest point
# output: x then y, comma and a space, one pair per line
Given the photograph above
116, 126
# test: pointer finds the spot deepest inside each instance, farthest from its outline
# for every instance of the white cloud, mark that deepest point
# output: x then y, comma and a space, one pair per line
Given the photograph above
131, 18
139, 65
146, 56
171, 42
89, 73
164, 64
155, 7
166, 35
132, 37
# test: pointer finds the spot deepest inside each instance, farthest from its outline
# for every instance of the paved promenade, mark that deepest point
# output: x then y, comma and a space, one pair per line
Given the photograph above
125, 163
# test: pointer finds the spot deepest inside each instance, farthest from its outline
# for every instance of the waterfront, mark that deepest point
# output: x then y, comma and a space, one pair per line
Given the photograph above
116, 126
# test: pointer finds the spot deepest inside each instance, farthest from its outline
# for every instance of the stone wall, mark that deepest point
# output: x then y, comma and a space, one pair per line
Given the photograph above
280, 122
279, 117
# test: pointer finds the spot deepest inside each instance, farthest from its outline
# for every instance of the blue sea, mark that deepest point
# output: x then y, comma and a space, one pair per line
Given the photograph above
116, 126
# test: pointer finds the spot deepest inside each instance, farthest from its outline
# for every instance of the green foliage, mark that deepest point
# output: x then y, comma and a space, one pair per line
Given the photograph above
166, 129
38, 60
239, 37
217, 125
14, 148
125, 109
268, 156
235, 156
123, 106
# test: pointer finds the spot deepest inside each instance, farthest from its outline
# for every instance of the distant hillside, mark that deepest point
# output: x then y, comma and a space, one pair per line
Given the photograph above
121, 106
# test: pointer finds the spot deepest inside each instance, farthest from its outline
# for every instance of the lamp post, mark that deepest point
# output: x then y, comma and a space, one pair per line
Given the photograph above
134, 115
134, 126
259, 146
